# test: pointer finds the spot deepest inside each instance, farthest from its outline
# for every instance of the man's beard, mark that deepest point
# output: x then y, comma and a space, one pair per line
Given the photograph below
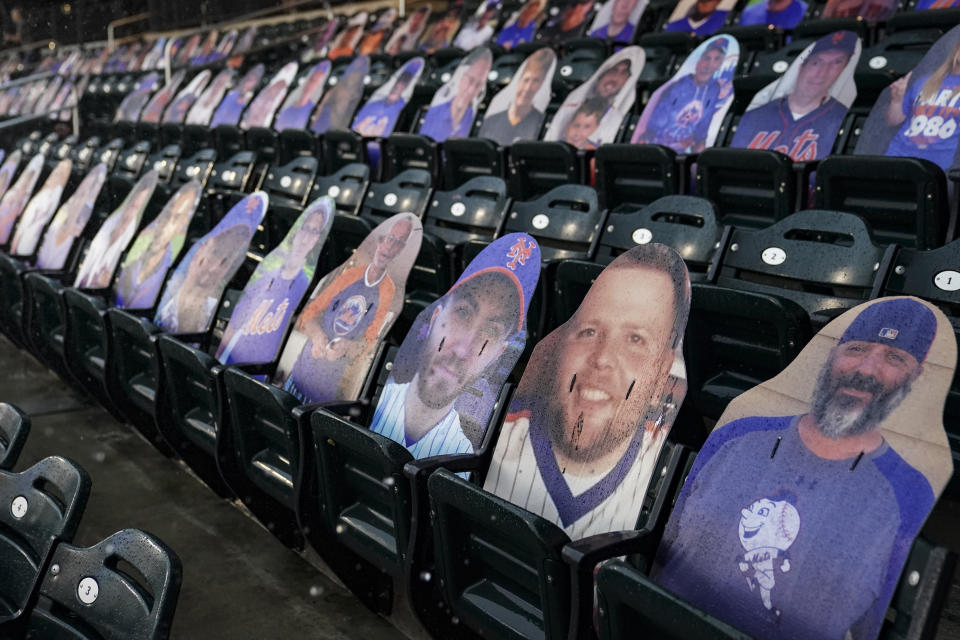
566, 433
839, 416
435, 396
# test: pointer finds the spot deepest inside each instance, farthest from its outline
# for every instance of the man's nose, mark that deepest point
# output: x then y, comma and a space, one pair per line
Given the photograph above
603, 356
872, 363
463, 344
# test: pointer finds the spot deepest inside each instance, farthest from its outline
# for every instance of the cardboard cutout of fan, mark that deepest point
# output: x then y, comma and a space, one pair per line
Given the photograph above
799, 512
192, 293
156, 249
272, 295
800, 114
685, 113
334, 340
449, 371
592, 410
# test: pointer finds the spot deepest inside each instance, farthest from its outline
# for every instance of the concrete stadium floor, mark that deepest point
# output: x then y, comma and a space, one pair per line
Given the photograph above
238, 580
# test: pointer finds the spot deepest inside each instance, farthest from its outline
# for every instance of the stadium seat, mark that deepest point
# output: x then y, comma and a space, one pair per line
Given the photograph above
125, 586
342, 497
685, 223
734, 341
14, 429
823, 260
258, 443
902, 200
189, 409
403, 151
133, 378
86, 343
751, 188
537, 167
578, 59
347, 186
566, 221
466, 158
507, 573
42, 506
636, 175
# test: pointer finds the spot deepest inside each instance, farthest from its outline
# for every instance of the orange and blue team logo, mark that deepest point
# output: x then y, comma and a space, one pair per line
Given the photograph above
520, 252
349, 314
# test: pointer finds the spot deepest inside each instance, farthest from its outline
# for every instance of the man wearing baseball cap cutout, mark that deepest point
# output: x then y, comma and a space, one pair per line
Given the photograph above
459, 349
799, 526
803, 123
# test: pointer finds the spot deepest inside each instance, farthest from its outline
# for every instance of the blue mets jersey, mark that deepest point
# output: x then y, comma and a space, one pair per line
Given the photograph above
807, 138
782, 543
930, 129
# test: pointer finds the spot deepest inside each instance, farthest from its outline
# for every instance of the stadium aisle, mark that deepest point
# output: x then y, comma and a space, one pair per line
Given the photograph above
238, 581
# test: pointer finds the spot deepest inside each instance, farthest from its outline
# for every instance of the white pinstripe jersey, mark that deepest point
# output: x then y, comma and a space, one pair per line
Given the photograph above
514, 476
443, 438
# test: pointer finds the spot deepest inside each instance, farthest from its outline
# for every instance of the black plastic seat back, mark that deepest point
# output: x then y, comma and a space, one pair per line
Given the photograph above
735, 340
823, 260
233, 174
85, 154
130, 162
124, 587
408, 192
403, 151
579, 59
289, 185
41, 506
487, 574
164, 162
466, 158
473, 211
903, 200
751, 187
341, 147
685, 223
537, 167
196, 167
630, 174
347, 186
14, 429
503, 69
566, 221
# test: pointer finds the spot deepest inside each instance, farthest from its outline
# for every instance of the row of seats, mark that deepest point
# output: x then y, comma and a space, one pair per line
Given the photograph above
272, 472
52, 588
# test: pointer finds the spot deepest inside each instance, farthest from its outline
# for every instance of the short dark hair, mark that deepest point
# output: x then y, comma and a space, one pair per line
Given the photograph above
595, 106
662, 258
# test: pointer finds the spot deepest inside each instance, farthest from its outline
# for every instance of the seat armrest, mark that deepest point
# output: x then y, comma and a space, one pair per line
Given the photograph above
453, 462
253, 368
582, 557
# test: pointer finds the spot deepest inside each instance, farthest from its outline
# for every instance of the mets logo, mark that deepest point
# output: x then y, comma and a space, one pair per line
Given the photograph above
349, 315
520, 251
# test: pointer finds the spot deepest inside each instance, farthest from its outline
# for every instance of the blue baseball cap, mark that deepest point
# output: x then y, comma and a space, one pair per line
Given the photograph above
904, 323
845, 41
